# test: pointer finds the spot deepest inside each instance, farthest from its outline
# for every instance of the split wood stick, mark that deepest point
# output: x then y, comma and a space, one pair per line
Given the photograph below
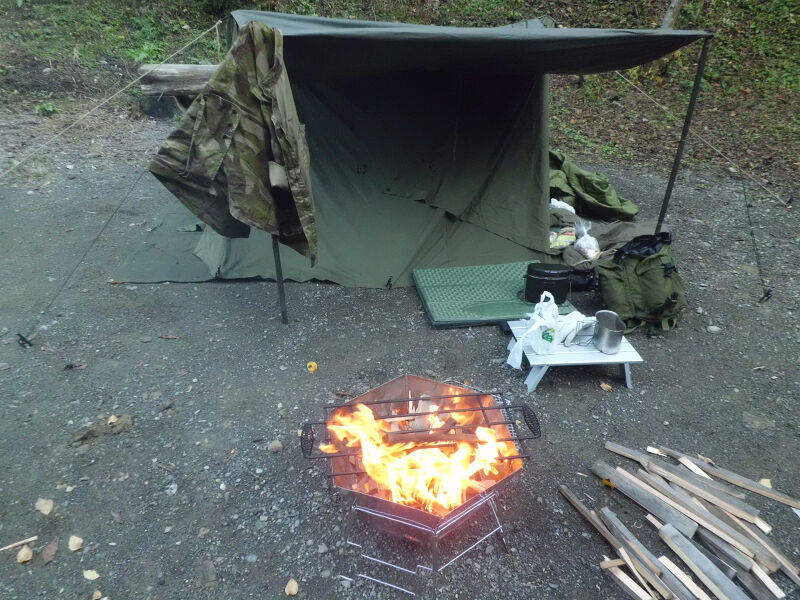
660, 484
724, 550
730, 504
705, 570
767, 581
735, 479
751, 583
595, 521
786, 565
637, 568
726, 569
654, 522
687, 581
643, 496
628, 585
20, 543
692, 467
433, 436
674, 583
654, 450
612, 562
622, 533
766, 557
710, 522
643, 458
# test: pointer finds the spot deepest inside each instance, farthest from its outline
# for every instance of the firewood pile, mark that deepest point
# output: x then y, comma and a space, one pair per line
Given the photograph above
700, 513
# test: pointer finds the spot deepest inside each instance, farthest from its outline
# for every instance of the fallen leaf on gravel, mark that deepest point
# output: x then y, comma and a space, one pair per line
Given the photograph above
4, 366
312, 367
203, 531
112, 419
102, 427
169, 337
275, 446
25, 554
97, 595
49, 552
291, 588
605, 386
75, 543
91, 574
115, 282
765, 482
44, 506
116, 517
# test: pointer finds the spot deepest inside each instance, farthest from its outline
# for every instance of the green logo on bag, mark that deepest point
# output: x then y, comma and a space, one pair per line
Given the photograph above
547, 334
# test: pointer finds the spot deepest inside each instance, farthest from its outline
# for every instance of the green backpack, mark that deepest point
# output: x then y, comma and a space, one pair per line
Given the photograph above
641, 283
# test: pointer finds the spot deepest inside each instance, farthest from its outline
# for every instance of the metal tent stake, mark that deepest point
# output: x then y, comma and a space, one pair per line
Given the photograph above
276, 252
701, 66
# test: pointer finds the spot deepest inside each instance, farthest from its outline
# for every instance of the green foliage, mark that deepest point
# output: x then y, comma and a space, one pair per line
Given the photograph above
46, 109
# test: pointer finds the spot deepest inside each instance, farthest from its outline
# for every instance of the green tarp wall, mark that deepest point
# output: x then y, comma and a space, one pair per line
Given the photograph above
429, 145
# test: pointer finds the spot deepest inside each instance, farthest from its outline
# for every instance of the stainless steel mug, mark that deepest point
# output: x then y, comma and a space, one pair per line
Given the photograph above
608, 331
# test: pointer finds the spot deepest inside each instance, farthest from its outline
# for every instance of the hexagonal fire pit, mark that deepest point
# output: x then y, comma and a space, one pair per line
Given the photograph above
416, 456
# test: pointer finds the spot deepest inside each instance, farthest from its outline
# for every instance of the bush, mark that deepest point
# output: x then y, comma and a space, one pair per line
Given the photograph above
220, 8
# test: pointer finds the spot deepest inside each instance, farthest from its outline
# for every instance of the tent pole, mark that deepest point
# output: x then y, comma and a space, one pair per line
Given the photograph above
701, 66
276, 252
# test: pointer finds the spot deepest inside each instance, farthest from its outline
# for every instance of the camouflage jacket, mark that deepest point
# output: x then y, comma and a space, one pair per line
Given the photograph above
239, 156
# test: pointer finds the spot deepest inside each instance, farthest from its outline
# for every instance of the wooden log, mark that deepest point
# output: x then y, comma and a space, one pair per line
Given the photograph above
643, 458
687, 581
698, 487
434, 436
174, 79
735, 479
705, 570
644, 497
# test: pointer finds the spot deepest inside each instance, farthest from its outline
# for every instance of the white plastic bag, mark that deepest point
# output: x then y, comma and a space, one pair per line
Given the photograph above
556, 203
540, 330
586, 244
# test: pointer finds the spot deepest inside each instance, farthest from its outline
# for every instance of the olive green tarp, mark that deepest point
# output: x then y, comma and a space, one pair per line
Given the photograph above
428, 145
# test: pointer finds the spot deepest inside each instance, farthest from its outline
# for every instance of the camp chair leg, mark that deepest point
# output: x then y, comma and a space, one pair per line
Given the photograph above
535, 376
625, 373
276, 252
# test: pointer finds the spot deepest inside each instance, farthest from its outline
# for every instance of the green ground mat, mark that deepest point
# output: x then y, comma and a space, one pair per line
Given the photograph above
479, 295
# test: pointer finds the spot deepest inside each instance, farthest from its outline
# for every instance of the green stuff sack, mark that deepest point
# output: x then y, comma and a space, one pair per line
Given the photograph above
641, 283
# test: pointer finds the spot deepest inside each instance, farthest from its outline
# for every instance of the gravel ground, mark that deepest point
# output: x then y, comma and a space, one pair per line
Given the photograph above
185, 500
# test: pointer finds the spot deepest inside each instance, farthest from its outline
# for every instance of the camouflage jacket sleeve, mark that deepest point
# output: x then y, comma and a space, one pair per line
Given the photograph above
239, 158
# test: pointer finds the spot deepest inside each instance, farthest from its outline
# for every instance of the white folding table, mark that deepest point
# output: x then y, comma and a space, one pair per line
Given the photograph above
571, 356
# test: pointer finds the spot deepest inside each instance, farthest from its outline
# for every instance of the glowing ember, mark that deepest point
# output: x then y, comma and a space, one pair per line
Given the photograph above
440, 465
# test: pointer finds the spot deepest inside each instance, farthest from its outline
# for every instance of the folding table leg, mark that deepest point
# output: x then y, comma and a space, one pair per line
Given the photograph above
535, 376
625, 373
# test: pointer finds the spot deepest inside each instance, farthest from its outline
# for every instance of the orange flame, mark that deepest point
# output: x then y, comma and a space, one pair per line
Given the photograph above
432, 477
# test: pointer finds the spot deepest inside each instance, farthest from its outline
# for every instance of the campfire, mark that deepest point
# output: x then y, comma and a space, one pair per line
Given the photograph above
420, 443
427, 453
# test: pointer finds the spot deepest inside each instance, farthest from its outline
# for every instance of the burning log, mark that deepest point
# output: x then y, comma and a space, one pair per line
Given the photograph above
430, 436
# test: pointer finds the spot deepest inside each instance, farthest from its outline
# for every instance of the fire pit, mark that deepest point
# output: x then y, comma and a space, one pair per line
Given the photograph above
416, 457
